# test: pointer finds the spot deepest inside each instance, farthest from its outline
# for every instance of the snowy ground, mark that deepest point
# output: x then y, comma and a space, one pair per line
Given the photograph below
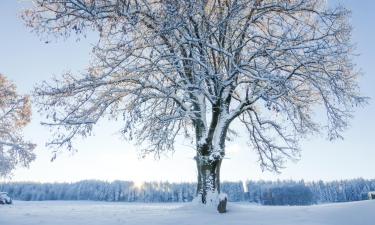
95, 213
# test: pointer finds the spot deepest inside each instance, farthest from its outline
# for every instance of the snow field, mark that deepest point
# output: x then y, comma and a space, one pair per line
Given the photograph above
100, 213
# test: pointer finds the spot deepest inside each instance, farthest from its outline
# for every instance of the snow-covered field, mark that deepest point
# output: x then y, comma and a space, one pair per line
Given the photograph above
95, 213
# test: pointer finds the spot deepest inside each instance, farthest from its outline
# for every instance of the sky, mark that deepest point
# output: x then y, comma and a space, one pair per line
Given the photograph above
27, 61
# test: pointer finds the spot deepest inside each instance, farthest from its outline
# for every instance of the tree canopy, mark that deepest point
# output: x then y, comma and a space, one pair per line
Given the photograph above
194, 66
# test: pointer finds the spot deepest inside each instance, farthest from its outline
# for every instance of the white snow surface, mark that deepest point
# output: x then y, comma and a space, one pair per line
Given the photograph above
95, 213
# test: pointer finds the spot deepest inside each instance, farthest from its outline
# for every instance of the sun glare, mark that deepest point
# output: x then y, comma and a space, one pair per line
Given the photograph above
138, 184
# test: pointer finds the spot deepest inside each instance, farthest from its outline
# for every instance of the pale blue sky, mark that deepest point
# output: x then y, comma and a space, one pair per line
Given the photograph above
26, 60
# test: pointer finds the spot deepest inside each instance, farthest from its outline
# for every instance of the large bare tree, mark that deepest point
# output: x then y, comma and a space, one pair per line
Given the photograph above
193, 67
15, 113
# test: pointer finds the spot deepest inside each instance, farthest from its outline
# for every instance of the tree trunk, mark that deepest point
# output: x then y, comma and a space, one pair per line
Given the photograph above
210, 153
208, 178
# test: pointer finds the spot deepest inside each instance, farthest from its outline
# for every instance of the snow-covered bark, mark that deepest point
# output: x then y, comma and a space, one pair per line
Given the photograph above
193, 67
15, 114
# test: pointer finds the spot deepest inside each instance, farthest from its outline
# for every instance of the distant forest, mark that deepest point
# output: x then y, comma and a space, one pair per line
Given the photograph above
261, 192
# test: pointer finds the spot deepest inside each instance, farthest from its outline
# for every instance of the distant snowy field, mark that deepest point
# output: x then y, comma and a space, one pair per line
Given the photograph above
95, 213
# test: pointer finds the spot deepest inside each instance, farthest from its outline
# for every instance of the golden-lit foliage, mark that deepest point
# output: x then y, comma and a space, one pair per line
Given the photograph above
15, 114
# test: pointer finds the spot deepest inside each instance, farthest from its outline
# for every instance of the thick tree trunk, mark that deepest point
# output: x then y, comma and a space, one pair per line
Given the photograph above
210, 153
208, 188
208, 178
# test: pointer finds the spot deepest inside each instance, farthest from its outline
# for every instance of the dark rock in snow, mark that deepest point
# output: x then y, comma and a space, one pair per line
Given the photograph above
222, 207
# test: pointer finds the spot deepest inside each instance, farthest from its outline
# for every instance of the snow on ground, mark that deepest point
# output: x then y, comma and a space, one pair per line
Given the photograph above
95, 213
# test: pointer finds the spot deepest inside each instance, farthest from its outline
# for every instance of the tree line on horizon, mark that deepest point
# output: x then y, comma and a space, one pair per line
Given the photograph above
261, 192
